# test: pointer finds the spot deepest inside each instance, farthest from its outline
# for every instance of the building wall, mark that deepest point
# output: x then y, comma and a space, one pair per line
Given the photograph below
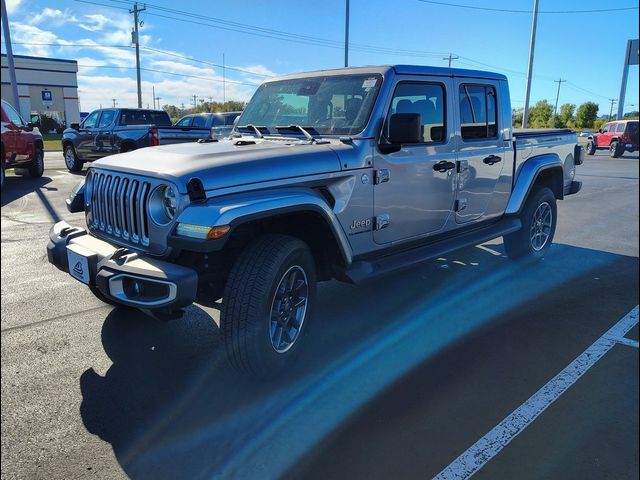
35, 75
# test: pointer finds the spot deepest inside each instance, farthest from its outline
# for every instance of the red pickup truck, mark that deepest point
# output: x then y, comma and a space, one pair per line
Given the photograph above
22, 144
618, 137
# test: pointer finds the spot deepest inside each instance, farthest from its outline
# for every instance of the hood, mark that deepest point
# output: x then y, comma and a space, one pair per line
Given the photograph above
225, 163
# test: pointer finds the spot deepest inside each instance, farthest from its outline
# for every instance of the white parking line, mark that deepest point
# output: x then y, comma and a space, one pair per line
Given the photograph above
495, 440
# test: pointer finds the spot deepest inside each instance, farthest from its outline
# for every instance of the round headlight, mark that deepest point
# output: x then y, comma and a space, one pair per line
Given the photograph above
169, 202
163, 204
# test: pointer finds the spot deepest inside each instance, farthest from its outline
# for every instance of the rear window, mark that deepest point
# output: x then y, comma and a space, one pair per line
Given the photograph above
632, 127
144, 117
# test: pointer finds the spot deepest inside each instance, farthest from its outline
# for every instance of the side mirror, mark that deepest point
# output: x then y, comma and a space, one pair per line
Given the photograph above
30, 126
75, 126
405, 128
600, 130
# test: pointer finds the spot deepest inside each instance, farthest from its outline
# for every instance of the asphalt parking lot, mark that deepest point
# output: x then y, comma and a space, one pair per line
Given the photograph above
401, 377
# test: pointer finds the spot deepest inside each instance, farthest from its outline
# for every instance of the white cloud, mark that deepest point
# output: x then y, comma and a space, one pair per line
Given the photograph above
94, 22
53, 17
12, 5
25, 33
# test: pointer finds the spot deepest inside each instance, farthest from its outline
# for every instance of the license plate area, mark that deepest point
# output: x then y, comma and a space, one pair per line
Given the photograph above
82, 263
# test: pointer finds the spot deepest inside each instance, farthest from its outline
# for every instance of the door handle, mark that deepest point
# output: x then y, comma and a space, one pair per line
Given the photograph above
443, 166
491, 159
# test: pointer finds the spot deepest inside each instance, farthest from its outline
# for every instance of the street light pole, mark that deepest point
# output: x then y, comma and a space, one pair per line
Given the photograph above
532, 46
346, 36
10, 64
559, 82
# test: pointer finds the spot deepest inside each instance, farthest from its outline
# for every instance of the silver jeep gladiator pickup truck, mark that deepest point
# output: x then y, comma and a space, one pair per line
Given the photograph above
341, 174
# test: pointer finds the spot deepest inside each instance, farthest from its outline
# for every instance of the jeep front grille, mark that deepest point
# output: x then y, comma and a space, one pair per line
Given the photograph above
118, 206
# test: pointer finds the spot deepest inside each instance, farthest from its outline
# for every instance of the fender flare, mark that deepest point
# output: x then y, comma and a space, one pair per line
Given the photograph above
526, 178
237, 209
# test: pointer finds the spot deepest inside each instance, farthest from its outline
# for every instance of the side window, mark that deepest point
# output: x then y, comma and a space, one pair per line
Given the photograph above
14, 116
230, 119
184, 122
620, 128
427, 99
199, 121
478, 112
90, 121
605, 129
106, 119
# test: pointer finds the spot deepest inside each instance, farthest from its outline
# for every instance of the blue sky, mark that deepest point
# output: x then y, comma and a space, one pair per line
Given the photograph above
586, 49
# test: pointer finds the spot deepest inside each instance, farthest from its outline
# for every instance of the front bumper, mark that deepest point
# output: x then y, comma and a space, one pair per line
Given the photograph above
122, 275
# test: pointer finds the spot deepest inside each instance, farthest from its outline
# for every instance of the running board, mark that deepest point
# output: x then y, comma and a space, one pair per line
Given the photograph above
365, 269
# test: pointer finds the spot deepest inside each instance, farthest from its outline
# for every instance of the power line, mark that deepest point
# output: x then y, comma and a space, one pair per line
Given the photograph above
450, 58
507, 10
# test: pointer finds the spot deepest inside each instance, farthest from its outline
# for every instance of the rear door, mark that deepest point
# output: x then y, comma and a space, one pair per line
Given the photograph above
482, 152
85, 139
414, 197
103, 139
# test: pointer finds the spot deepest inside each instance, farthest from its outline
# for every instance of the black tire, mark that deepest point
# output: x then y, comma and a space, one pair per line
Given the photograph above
590, 148
36, 169
527, 242
74, 164
254, 285
616, 149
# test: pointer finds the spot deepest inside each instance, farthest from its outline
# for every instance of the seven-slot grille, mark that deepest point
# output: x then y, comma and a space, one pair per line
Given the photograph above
119, 206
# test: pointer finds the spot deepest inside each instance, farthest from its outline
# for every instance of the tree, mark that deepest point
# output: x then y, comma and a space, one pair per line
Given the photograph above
586, 115
631, 115
565, 116
540, 115
516, 116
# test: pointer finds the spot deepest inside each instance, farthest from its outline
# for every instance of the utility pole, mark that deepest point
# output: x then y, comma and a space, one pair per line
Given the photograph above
613, 101
12, 68
158, 99
224, 82
346, 35
114, 102
532, 46
451, 57
136, 39
153, 94
559, 82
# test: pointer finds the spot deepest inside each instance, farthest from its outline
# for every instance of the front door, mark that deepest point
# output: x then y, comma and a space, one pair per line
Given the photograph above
416, 185
86, 136
482, 152
604, 138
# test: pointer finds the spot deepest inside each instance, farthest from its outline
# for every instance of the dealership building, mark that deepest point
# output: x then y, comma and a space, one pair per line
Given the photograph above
46, 87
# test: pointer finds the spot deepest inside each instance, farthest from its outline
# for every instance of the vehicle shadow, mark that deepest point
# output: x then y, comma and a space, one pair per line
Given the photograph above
171, 407
16, 186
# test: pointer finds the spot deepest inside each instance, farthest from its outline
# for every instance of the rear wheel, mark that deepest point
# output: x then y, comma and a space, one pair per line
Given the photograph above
36, 169
616, 149
267, 304
591, 147
538, 226
74, 164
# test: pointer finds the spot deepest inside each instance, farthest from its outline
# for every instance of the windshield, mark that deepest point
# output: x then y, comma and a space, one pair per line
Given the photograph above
331, 105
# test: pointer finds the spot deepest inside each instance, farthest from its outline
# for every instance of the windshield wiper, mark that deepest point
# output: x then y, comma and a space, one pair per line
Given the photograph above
301, 129
251, 126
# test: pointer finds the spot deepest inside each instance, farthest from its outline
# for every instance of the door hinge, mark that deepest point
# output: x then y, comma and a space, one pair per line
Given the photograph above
382, 176
460, 205
382, 221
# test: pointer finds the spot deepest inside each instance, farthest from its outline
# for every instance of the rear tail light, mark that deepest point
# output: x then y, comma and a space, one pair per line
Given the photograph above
153, 137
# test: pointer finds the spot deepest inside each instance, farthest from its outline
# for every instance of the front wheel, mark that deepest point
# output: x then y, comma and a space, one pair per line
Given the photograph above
267, 304
36, 169
591, 148
538, 217
74, 164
